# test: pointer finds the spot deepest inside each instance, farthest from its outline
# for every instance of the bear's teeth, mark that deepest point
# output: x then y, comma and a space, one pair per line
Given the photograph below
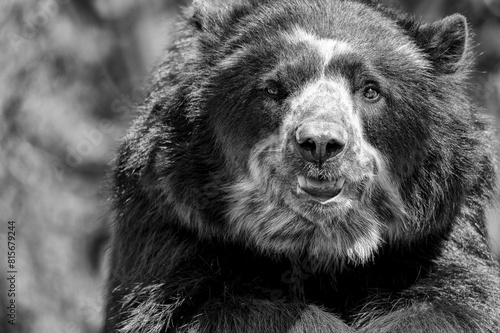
324, 191
306, 182
302, 181
317, 183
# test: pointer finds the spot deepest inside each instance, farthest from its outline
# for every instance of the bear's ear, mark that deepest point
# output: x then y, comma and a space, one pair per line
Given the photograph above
446, 42
210, 15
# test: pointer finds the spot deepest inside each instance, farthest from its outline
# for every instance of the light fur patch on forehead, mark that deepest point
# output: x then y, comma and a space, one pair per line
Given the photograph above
330, 47
327, 48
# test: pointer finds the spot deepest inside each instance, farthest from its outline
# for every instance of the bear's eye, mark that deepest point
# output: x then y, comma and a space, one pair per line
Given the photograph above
274, 90
371, 93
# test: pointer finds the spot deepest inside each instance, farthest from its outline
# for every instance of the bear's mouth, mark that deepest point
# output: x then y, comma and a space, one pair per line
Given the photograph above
322, 191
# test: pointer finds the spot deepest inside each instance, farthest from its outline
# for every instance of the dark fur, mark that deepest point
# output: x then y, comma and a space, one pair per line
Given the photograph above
180, 265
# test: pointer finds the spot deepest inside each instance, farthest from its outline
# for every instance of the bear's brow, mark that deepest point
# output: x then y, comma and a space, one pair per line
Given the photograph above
350, 64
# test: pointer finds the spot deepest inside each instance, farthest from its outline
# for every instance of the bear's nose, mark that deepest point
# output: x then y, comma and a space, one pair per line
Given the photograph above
318, 141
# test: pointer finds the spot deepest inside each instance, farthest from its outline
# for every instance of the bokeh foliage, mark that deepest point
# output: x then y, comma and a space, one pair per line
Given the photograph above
72, 72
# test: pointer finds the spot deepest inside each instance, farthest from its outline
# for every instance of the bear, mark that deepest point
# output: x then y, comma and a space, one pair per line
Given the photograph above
306, 166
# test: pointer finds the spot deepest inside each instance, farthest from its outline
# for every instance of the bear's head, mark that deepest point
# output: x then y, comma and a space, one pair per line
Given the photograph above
318, 127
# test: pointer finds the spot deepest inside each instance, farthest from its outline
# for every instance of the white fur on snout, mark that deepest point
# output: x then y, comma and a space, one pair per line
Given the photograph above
326, 95
330, 100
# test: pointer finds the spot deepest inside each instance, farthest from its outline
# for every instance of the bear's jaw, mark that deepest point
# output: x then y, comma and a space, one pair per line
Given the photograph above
321, 191
264, 208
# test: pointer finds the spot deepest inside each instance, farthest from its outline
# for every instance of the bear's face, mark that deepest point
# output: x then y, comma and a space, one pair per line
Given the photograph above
320, 118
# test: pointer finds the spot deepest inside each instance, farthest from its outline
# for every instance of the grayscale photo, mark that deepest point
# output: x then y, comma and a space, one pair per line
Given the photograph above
250, 166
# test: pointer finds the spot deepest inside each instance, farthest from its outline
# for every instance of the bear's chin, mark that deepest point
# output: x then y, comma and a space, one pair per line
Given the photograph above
344, 229
278, 218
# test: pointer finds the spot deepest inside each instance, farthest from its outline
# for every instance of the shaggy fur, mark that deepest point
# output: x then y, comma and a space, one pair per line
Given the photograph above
211, 229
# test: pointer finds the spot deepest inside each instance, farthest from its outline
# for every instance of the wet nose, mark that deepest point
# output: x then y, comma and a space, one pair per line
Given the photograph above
318, 141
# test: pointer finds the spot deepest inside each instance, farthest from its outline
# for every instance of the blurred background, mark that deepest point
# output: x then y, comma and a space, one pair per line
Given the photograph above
71, 73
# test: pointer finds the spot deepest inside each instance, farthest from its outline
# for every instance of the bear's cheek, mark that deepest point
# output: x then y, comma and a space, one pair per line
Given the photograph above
401, 135
241, 129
